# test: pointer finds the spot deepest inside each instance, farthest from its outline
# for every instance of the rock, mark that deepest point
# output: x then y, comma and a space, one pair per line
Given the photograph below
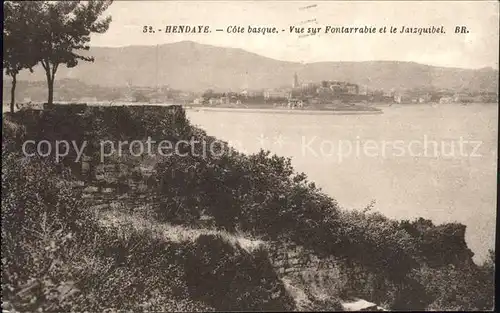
279, 263
91, 189
293, 254
361, 305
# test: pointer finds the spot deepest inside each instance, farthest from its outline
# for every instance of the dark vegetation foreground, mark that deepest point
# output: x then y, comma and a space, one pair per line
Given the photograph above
61, 253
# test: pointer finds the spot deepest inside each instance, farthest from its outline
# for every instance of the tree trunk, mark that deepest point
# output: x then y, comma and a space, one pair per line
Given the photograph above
13, 93
50, 73
50, 84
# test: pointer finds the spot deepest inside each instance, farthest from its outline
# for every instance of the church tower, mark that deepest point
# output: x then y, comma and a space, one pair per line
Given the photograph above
295, 81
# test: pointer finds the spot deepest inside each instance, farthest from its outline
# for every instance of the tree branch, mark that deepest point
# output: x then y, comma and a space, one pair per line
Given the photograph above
54, 69
44, 65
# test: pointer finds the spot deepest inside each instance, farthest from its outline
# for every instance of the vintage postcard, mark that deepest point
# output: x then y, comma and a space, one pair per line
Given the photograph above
180, 156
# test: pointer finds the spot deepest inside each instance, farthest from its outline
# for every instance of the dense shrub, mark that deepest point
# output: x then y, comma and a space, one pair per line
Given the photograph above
43, 221
52, 126
263, 195
135, 270
57, 258
439, 245
227, 277
185, 184
377, 243
462, 288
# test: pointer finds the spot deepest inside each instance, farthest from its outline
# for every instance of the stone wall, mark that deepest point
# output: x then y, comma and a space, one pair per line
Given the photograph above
123, 175
288, 258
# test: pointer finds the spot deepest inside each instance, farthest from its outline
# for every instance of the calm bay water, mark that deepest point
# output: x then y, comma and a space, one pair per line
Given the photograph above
437, 162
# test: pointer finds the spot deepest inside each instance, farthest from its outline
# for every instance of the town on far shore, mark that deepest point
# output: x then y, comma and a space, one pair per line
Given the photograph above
298, 95
331, 93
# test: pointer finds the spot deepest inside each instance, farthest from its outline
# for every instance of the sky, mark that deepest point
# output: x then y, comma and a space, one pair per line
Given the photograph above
476, 49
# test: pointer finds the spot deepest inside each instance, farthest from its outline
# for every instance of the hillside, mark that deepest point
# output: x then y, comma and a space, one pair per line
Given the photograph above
191, 66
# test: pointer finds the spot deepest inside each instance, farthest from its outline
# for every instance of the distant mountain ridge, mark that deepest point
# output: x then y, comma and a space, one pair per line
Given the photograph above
196, 67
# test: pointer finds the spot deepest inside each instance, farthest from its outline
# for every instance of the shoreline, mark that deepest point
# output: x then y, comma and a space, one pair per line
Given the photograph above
285, 111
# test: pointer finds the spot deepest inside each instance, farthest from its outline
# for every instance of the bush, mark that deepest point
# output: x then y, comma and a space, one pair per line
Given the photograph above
44, 221
57, 258
146, 270
439, 245
458, 288
229, 278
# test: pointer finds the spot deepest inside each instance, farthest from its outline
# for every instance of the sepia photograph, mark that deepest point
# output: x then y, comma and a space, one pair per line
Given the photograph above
194, 156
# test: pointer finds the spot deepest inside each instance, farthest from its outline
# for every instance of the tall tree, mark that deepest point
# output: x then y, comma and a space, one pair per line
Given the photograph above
63, 33
19, 50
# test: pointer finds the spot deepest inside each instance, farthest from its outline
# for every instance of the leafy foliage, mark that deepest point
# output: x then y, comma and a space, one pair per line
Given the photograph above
439, 245
18, 43
64, 28
43, 219
52, 33
458, 288
229, 278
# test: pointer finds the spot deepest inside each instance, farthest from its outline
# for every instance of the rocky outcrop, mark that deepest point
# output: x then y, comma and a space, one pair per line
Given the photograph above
290, 258
440, 245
